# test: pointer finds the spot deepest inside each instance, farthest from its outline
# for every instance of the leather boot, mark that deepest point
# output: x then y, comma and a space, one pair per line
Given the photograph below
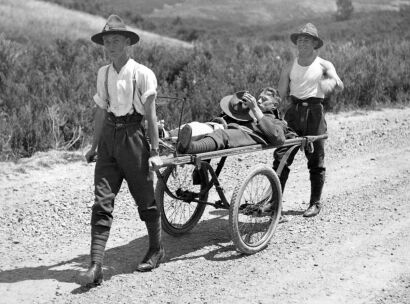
313, 210
94, 275
156, 252
317, 180
152, 259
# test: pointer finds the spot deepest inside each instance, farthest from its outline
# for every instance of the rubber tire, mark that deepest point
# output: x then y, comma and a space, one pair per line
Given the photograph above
240, 244
160, 194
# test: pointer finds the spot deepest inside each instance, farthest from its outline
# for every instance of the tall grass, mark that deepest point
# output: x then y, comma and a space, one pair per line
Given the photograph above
46, 89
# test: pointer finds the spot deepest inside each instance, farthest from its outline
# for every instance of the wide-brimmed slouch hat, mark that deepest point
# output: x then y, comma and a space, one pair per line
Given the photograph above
115, 25
233, 106
308, 30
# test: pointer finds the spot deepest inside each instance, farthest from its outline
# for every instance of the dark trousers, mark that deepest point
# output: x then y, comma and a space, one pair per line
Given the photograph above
231, 138
123, 153
306, 117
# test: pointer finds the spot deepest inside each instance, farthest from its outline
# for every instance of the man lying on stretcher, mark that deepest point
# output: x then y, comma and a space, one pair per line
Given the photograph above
246, 121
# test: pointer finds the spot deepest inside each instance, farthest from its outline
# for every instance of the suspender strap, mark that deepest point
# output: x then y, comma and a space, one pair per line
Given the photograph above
106, 85
134, 85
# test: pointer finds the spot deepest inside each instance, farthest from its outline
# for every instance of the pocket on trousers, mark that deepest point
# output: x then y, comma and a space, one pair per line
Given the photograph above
136, 136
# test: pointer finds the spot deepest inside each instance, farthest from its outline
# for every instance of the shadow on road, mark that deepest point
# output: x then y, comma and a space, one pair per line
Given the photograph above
199, 243
293, 212
124, 259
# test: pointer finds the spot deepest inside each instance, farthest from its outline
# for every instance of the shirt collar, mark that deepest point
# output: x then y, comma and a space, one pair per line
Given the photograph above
125, 66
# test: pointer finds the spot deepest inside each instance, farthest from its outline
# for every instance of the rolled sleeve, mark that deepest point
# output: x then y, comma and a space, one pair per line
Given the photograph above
147, 83
147, 94
100, 98
100, 102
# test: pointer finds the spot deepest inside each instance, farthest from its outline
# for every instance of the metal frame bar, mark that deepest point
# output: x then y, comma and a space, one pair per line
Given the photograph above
202, 160
195, 158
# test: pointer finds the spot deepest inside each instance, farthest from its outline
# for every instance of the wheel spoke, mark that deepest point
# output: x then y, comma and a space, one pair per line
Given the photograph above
179, 216
254, 211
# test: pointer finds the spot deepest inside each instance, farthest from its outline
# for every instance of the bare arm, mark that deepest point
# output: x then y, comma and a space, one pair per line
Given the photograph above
252, 104
151, 117
99, 118
330, 71
283, 86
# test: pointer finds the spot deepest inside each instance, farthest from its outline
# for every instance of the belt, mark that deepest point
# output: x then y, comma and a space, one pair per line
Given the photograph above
129, 119
306, 102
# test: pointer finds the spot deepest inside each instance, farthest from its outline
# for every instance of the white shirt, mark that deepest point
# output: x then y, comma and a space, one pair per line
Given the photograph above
305, 80
120, 99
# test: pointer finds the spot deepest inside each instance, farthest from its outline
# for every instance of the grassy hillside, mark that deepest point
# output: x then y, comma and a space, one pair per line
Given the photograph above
37, 21
107, 7
270, 18
208, 19
239, 12
46, 88
245, 13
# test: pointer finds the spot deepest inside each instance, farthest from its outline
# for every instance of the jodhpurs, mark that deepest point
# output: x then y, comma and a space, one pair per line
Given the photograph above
231, 138
123, 153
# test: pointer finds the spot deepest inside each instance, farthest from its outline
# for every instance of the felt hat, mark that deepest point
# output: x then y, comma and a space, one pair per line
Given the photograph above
233, 106
115, 25
308, 30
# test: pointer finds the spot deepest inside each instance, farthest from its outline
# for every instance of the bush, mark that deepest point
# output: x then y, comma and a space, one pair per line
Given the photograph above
344, 9
46, 91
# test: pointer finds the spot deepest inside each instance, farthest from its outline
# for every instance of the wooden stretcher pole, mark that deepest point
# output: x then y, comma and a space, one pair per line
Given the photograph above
194, 158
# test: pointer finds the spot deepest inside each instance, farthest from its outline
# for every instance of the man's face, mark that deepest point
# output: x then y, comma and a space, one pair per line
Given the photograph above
115, 45
268, 95
265, 97
267, 100
306, 44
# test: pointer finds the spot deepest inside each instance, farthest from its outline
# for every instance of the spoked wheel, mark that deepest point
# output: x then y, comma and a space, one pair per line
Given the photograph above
180, 214
255, 210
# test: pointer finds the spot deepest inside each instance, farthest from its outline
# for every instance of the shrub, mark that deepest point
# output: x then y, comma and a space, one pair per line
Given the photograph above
46, 90
344, 9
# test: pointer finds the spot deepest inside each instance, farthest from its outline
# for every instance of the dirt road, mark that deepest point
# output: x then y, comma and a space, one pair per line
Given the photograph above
355, 251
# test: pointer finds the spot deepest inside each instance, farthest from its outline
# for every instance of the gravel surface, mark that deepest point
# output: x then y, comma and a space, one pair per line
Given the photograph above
355, 251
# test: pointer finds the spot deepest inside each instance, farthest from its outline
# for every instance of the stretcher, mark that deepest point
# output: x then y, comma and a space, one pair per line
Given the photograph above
184, 182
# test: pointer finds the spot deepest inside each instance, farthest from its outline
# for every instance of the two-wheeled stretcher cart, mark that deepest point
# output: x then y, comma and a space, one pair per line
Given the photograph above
256, 203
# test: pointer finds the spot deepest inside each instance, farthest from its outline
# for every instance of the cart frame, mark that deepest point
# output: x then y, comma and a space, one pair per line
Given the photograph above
201, 163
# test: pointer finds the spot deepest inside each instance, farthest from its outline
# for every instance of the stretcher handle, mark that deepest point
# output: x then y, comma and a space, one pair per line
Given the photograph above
188, 158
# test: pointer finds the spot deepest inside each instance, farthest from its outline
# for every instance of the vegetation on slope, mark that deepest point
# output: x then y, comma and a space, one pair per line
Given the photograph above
201, 19
46, 89
42, 22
